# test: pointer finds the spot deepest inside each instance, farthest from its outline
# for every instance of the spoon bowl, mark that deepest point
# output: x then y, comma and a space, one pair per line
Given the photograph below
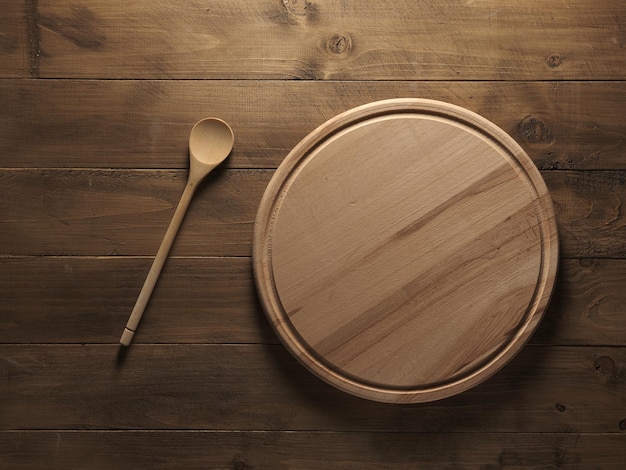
210, 142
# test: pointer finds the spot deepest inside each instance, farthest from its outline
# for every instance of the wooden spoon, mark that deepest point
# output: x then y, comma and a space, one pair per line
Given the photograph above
210, 142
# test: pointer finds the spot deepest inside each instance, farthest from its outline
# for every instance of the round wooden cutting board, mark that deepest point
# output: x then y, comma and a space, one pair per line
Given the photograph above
405, 250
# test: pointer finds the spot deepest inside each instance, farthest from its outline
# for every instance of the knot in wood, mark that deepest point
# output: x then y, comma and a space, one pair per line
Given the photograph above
560, 457
586, 262
554, 60
301, 9
339, 43
534, 131
605, 365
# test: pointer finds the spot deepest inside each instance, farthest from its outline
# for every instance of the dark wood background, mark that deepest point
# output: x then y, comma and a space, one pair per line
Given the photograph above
97, 98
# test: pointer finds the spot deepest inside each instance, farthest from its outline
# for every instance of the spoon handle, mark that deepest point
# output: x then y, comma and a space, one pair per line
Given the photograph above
157, 264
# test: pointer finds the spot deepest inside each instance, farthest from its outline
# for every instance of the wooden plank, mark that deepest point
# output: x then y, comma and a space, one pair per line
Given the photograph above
18, 40
60, 212
309, 450
260, 387
146, 124
356, 40
587, 306
589, 211
124, 212
88, 300
213, 300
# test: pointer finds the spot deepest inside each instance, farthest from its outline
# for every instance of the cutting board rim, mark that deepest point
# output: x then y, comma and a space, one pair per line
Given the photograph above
261, 249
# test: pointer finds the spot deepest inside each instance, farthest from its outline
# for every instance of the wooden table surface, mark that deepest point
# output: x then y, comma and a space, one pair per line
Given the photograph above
97, 98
